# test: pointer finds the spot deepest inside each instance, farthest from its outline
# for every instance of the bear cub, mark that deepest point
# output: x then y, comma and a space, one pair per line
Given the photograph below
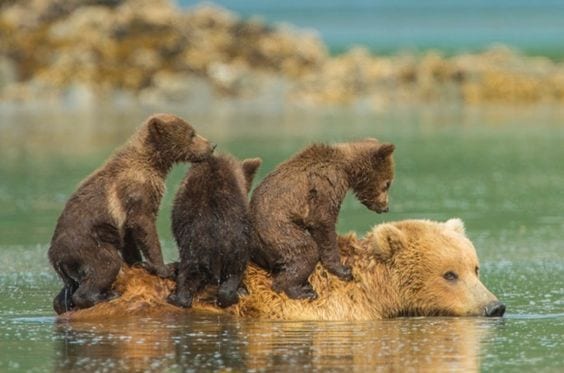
294, 209
110, 218
211, 225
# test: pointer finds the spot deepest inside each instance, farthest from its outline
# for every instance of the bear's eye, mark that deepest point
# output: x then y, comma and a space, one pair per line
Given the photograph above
477, 271
387, 185
450, 276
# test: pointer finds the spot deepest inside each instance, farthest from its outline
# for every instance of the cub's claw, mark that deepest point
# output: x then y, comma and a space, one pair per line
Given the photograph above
343, 272
302, 292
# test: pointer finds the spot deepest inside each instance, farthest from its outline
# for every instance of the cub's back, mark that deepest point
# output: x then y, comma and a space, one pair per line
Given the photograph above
289, 184
211, 199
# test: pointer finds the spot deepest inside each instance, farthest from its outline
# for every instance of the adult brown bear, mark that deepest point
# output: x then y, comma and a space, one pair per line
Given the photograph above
404, 268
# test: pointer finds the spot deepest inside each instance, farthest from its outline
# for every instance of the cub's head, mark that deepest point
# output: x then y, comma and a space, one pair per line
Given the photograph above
175, 140
434, 269
371, 172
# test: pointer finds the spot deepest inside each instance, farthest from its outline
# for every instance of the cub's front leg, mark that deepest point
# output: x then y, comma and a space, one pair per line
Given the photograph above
325, 236
145, 236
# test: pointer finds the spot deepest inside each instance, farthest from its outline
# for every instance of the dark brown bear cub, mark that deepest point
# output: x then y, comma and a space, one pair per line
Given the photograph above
294, 210
113, 212
211, 224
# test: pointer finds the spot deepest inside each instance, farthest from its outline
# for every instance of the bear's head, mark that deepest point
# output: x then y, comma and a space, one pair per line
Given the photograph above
371, 172
433, 268
174, 140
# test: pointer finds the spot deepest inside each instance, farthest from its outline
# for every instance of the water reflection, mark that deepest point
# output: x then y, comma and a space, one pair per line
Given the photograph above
219, 342
396, 345
150, 344
136, 346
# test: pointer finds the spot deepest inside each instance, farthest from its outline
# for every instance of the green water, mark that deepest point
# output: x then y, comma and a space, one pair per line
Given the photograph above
500, 170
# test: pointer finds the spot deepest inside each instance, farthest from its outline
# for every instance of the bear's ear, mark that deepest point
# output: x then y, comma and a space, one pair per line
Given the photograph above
155, 126
456, 225
385, 150
250, 167
385, 240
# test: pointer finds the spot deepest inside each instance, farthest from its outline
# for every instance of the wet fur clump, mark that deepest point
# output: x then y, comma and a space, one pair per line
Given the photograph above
110, 219
212, 227
295, 209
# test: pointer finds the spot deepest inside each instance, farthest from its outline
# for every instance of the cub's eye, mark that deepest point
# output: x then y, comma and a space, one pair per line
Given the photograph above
477, 271
387, 185
450, 276
192, 135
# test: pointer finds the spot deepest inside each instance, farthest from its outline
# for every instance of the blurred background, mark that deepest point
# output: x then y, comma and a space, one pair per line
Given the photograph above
471, 92
309, 54
388, 26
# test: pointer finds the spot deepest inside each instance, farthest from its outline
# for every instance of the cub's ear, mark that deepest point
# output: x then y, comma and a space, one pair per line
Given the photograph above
385, 240
456, 225
155, 126
250, 167
385, 150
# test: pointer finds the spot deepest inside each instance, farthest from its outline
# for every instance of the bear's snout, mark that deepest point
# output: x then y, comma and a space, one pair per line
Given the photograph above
495, 309
379, 209
200, 150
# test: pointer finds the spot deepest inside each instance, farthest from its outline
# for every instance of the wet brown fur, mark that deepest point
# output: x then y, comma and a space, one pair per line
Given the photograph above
398, 271
211, 225
110, 218
294, 209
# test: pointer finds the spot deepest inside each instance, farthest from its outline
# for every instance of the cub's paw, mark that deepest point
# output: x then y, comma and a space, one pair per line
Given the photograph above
301, 292
227, 298
184, 302
109, 295
166, 271
63, 301
343, 272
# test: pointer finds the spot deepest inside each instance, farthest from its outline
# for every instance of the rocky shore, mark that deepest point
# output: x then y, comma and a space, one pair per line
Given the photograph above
150, 51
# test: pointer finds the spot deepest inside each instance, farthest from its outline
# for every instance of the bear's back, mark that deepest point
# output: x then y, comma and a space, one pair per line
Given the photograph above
319, 167
314, 157
211, 202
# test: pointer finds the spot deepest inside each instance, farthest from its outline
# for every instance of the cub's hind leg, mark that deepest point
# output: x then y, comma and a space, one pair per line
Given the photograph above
97, 277
300, 255
189, 280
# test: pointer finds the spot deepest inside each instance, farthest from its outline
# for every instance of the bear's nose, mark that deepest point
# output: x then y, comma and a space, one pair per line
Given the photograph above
495, 309
385, 209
